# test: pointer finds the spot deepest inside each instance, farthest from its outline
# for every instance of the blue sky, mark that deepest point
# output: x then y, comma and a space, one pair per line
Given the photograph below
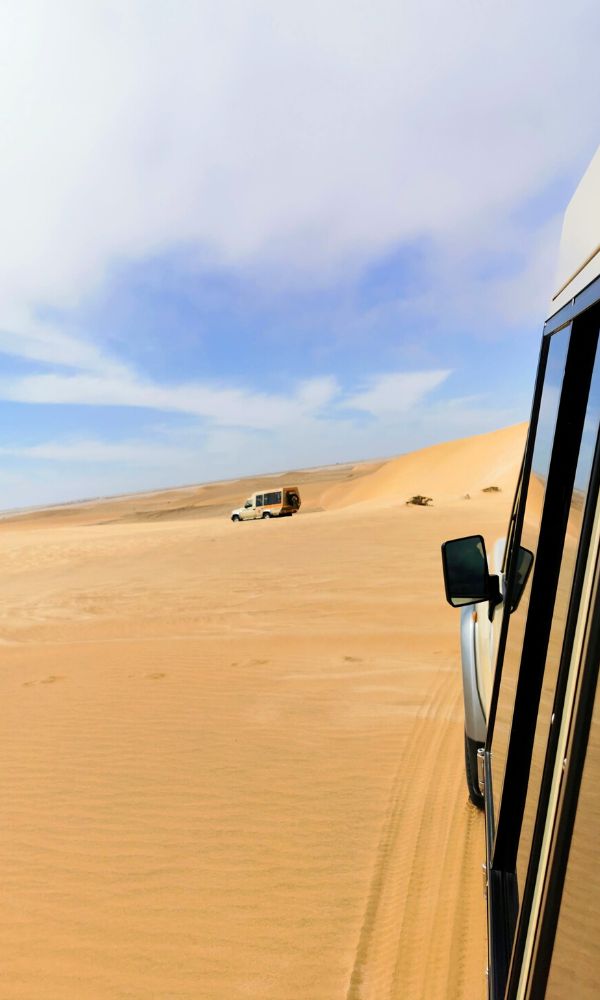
275, 235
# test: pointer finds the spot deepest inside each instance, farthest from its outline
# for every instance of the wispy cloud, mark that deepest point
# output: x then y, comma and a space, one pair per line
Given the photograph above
151, 455
220, 404
383, 395
395, 392
31, 340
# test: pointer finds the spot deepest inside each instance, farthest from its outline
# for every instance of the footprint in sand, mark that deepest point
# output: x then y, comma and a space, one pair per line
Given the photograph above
157, 676
353, 659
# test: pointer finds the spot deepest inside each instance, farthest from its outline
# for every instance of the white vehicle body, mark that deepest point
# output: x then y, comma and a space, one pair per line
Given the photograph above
478, 646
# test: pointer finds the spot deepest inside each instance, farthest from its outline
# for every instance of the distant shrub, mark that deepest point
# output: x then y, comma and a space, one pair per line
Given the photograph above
419, 501
467, 496
491, 489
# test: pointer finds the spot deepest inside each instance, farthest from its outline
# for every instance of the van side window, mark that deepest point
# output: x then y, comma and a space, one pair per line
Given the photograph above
259, 499
555, 369
272, 498
564, 597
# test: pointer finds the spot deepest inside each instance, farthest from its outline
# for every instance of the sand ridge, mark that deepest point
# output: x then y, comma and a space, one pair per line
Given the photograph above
232, 754
446, 472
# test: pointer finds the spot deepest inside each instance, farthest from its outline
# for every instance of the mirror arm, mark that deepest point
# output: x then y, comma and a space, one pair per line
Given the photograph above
495, 597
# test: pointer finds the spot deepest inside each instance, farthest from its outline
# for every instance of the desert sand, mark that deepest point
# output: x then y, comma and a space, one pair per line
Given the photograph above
232, 754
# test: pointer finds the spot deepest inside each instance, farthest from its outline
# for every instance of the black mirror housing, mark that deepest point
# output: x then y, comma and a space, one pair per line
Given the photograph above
466, 576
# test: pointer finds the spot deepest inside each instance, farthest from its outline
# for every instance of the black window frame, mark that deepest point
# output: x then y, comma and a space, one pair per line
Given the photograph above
567, 813
503, 830
580, 731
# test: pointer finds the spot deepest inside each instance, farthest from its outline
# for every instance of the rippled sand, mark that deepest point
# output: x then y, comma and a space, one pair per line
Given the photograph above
232, 754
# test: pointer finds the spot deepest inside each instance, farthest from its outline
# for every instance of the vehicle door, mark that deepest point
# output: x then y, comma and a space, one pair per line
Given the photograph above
247, 511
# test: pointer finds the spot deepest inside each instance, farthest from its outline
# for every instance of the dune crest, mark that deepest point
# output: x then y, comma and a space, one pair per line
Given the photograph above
444, 471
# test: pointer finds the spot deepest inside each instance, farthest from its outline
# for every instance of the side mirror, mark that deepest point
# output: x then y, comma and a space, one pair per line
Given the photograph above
466, 576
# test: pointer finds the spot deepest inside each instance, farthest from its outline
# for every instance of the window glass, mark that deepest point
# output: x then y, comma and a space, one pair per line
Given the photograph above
513, 520
259, 500
575, 965
559, 618
553, 378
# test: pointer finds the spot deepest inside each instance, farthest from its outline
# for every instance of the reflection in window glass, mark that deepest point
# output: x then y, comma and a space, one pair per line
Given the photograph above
575, 968
555, 369
559, 618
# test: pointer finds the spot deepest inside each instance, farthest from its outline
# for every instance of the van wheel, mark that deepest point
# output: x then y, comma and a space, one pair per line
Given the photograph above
235, 517
266, 514
471, 748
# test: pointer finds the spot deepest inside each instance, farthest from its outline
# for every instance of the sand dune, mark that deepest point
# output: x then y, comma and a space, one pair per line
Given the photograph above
445, 471
232, 754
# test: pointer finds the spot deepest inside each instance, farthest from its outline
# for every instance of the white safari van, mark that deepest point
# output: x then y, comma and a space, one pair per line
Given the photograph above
278, 501
530, 646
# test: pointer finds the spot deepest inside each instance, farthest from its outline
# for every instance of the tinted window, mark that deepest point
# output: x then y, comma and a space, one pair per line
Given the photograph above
575, 966
540, 464
259, 500
272, 498
561, 608
513, 520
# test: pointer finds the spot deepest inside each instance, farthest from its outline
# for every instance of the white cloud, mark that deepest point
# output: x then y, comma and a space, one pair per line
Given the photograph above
31, 340
382, 396
150, 455
395, 392
299, 139
222, 405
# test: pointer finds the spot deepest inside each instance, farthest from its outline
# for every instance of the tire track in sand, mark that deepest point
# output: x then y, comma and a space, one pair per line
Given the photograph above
423, 918
388, 841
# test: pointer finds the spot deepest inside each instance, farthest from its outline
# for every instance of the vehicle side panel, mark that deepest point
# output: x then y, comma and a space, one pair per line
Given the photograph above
475, 720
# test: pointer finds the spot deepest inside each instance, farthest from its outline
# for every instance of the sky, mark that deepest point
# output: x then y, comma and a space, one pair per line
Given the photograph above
251, 236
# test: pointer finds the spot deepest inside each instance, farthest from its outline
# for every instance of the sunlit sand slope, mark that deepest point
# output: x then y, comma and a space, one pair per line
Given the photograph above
232, 754
445, 471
